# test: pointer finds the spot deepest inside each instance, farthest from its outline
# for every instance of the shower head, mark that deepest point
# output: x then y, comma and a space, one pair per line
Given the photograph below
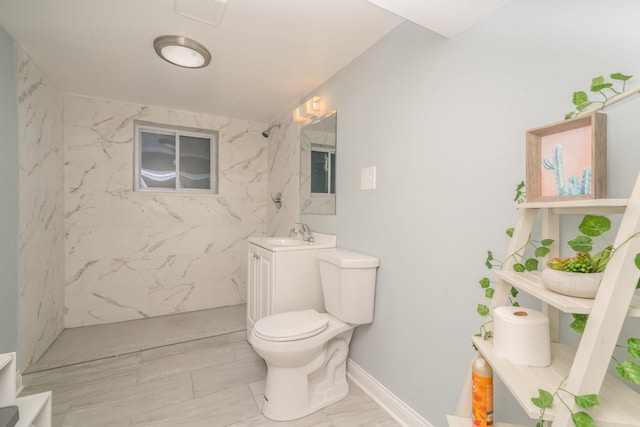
268, 130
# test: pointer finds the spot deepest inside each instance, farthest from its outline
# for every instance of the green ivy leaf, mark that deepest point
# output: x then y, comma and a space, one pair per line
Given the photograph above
629, 370
581, 244
587, 401
594, 225
488, 335
636, 260
489, 293
518, 197
598, 88
519, 267
540, 423
531, 264
510, 232
489, 259
580, 98
542, 251
584, 106
516, 304
582, 419
547, 242
485, 282
596, 82
483, 310
544, 399
620, 76
633, 347
579, 323
514, 292
569, 115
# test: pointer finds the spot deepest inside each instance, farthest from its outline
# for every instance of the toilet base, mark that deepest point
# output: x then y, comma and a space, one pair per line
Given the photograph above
292, 393
273, 411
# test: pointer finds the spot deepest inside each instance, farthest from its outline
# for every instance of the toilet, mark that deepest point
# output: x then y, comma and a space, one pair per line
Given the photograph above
306, 351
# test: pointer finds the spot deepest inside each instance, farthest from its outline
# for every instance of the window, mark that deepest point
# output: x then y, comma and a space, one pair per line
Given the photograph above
175, 159
323, 171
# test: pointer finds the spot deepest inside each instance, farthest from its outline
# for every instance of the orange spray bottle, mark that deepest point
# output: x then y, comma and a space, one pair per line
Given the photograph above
481, 393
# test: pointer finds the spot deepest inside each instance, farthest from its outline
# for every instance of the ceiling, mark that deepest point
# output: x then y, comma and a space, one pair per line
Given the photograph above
267, 54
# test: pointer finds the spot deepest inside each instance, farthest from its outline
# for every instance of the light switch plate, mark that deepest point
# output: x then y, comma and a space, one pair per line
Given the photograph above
368, 178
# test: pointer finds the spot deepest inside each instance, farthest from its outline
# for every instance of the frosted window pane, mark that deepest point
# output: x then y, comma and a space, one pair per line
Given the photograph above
195, 162
157, 160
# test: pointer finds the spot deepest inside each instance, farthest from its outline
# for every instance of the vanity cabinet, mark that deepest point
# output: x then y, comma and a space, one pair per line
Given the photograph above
282, 280
34, 410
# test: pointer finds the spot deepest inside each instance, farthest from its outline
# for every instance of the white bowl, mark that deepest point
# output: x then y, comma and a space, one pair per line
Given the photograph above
582, 285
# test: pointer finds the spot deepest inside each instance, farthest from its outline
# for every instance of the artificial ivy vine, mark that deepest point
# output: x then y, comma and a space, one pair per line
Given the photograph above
605, 89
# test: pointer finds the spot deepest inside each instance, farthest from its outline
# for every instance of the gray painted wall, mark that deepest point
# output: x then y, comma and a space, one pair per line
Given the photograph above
9, 195
444, 122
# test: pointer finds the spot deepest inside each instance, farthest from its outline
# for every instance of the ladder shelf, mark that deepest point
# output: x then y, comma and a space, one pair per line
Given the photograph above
619, 403
34, 410
529, 282
582, 370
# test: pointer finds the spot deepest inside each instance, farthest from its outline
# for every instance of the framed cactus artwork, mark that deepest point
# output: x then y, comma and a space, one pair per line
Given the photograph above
568, 160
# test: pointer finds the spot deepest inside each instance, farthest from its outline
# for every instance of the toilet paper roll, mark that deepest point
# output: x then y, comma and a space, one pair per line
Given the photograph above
521, 335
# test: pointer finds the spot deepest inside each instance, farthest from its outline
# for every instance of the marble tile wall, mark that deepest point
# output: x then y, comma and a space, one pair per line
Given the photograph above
132, 255
41, 199
284, 175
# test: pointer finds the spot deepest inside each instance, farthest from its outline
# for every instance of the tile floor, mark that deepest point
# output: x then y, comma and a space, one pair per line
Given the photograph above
212, 381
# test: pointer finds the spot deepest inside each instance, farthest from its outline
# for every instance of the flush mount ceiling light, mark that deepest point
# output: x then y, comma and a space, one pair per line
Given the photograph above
182, 51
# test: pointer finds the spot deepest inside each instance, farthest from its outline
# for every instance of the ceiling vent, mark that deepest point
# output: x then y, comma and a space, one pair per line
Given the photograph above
208, 12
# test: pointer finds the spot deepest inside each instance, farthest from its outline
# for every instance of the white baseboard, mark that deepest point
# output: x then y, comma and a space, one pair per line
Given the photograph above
400, 411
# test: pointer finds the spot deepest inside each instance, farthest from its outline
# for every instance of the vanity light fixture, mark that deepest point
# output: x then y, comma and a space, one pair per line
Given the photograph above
310, 110
182, 51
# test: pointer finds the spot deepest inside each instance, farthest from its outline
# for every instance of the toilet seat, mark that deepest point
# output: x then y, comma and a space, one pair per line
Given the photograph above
291, 326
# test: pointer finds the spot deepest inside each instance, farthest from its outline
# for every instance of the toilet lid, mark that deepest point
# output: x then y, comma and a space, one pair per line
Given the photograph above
294, 325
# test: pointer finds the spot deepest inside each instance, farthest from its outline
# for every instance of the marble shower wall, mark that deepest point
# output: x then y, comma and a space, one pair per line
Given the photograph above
41, 229
132, 255
284, 175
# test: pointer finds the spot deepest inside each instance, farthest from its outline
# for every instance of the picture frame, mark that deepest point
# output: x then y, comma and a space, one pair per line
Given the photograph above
567, 160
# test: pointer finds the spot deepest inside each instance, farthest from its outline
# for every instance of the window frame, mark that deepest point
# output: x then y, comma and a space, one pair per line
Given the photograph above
177, 131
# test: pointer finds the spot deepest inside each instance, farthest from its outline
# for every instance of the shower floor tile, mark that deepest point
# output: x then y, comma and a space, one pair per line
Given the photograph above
77, 345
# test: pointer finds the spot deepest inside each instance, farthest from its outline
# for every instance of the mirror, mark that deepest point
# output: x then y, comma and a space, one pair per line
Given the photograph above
318, 166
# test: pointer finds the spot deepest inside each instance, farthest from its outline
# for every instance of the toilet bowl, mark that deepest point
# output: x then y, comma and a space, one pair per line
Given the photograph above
306, 370
306, 351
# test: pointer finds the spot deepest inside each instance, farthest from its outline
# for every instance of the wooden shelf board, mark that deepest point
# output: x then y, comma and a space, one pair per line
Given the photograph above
618, 403
466, 422
579, 206
529, 282
31, 407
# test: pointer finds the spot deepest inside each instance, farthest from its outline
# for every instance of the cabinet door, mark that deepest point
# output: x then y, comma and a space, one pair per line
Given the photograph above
266, 285
253, 286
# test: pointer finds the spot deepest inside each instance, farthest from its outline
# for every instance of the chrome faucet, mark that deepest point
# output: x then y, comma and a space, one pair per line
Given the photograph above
303, 230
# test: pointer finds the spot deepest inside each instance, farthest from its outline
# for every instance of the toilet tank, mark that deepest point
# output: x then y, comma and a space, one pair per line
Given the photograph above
348, 284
